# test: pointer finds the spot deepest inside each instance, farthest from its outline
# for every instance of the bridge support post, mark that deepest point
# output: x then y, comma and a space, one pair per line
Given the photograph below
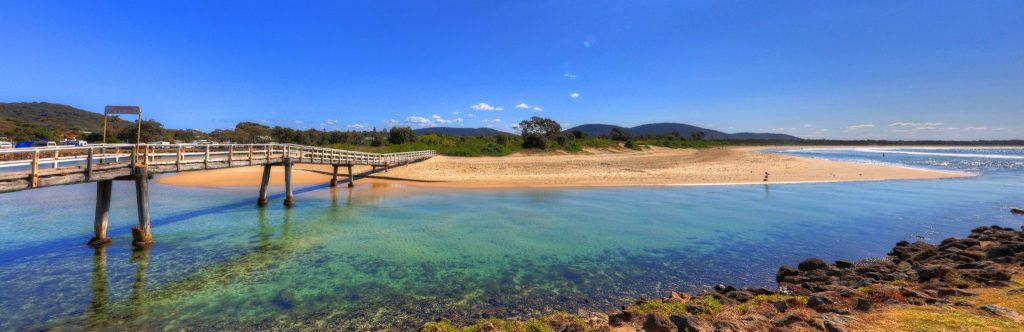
141, 235
103, 189
289, 199
334, 176
262, 201
351, 178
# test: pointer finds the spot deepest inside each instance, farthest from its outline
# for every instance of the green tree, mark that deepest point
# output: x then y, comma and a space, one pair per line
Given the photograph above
697, 135
618, 134
537, 130
251, 132
400, 135
151, 131
538, 125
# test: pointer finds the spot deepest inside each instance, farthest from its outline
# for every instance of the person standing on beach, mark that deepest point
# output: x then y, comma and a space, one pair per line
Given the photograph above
765, 176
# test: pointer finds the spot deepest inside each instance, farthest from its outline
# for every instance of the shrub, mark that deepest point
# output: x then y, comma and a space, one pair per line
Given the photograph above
534, 141
630, 144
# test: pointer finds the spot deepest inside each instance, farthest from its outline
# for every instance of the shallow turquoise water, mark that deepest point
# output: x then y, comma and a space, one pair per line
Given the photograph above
394, 258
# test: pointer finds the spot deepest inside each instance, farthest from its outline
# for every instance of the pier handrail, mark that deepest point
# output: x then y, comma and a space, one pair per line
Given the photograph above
55, 161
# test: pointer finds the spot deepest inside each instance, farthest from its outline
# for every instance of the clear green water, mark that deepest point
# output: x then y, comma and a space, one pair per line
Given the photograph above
395, 258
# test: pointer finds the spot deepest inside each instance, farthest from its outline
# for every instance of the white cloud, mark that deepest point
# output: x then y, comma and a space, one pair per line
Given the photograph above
499, 109
356, 126
983, 129
416, 120
455, 113
574, 95
778, 129
496, 120
470, 115
569, 76
860, 126
537, 108
522, 105
391, 122
915, 124
482, 107
299, 121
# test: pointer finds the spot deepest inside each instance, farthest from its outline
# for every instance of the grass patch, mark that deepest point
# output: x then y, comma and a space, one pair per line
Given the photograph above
757, 300
490, 324
948, 318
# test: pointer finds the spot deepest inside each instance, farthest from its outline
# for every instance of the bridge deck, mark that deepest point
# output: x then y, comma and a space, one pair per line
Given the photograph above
29, 168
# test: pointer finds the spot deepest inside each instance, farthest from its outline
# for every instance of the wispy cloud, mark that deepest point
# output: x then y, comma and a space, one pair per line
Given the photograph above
482, 107
356, 126
861, 126
569, 76
574, 95
522, 105
391, 122
915, 124
537, 108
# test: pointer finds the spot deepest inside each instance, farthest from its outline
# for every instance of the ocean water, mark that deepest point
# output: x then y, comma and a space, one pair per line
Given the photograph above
393, 258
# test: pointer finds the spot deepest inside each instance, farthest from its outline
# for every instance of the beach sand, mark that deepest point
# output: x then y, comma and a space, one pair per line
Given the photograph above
651, 167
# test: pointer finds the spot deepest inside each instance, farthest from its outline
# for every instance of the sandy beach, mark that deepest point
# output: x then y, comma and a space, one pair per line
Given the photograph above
651, 167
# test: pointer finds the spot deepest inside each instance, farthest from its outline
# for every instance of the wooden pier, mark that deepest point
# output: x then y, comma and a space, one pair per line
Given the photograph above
30, 168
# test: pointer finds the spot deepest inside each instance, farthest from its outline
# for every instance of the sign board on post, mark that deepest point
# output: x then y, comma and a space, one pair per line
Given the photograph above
122, 110
115, 110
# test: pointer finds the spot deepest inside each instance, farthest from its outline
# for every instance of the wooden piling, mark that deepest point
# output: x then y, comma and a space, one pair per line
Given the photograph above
334, 176
34, 178
289, 199
103, 189
262, 201
141, 235
351, 179
88, 165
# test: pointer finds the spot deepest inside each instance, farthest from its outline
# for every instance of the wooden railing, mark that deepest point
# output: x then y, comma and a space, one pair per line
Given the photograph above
84, 163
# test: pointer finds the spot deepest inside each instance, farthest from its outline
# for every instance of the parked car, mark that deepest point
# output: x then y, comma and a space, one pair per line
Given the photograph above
6, 145
72, 142
202, 142
159, 144
35, 144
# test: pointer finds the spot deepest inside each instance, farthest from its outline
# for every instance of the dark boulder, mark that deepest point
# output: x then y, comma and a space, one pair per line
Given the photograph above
684, 323
998, 251
659, 323
844, 264
786, 271
740, 296
722, 289
862, 305
930, 272
820, 302
812, 264
621, 318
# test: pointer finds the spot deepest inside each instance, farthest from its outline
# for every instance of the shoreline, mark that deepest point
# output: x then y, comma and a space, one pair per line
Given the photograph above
971, 283
654, 167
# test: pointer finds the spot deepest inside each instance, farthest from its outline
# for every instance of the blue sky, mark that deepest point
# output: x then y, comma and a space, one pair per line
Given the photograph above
850, 69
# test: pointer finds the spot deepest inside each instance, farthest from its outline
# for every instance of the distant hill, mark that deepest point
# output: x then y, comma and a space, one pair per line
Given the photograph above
684, 130
460, 131
49, 116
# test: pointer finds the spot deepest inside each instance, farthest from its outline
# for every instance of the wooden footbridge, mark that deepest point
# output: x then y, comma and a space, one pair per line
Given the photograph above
29, 168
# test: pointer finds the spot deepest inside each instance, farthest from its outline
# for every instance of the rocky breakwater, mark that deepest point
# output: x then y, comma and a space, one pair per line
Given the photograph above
817, 295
